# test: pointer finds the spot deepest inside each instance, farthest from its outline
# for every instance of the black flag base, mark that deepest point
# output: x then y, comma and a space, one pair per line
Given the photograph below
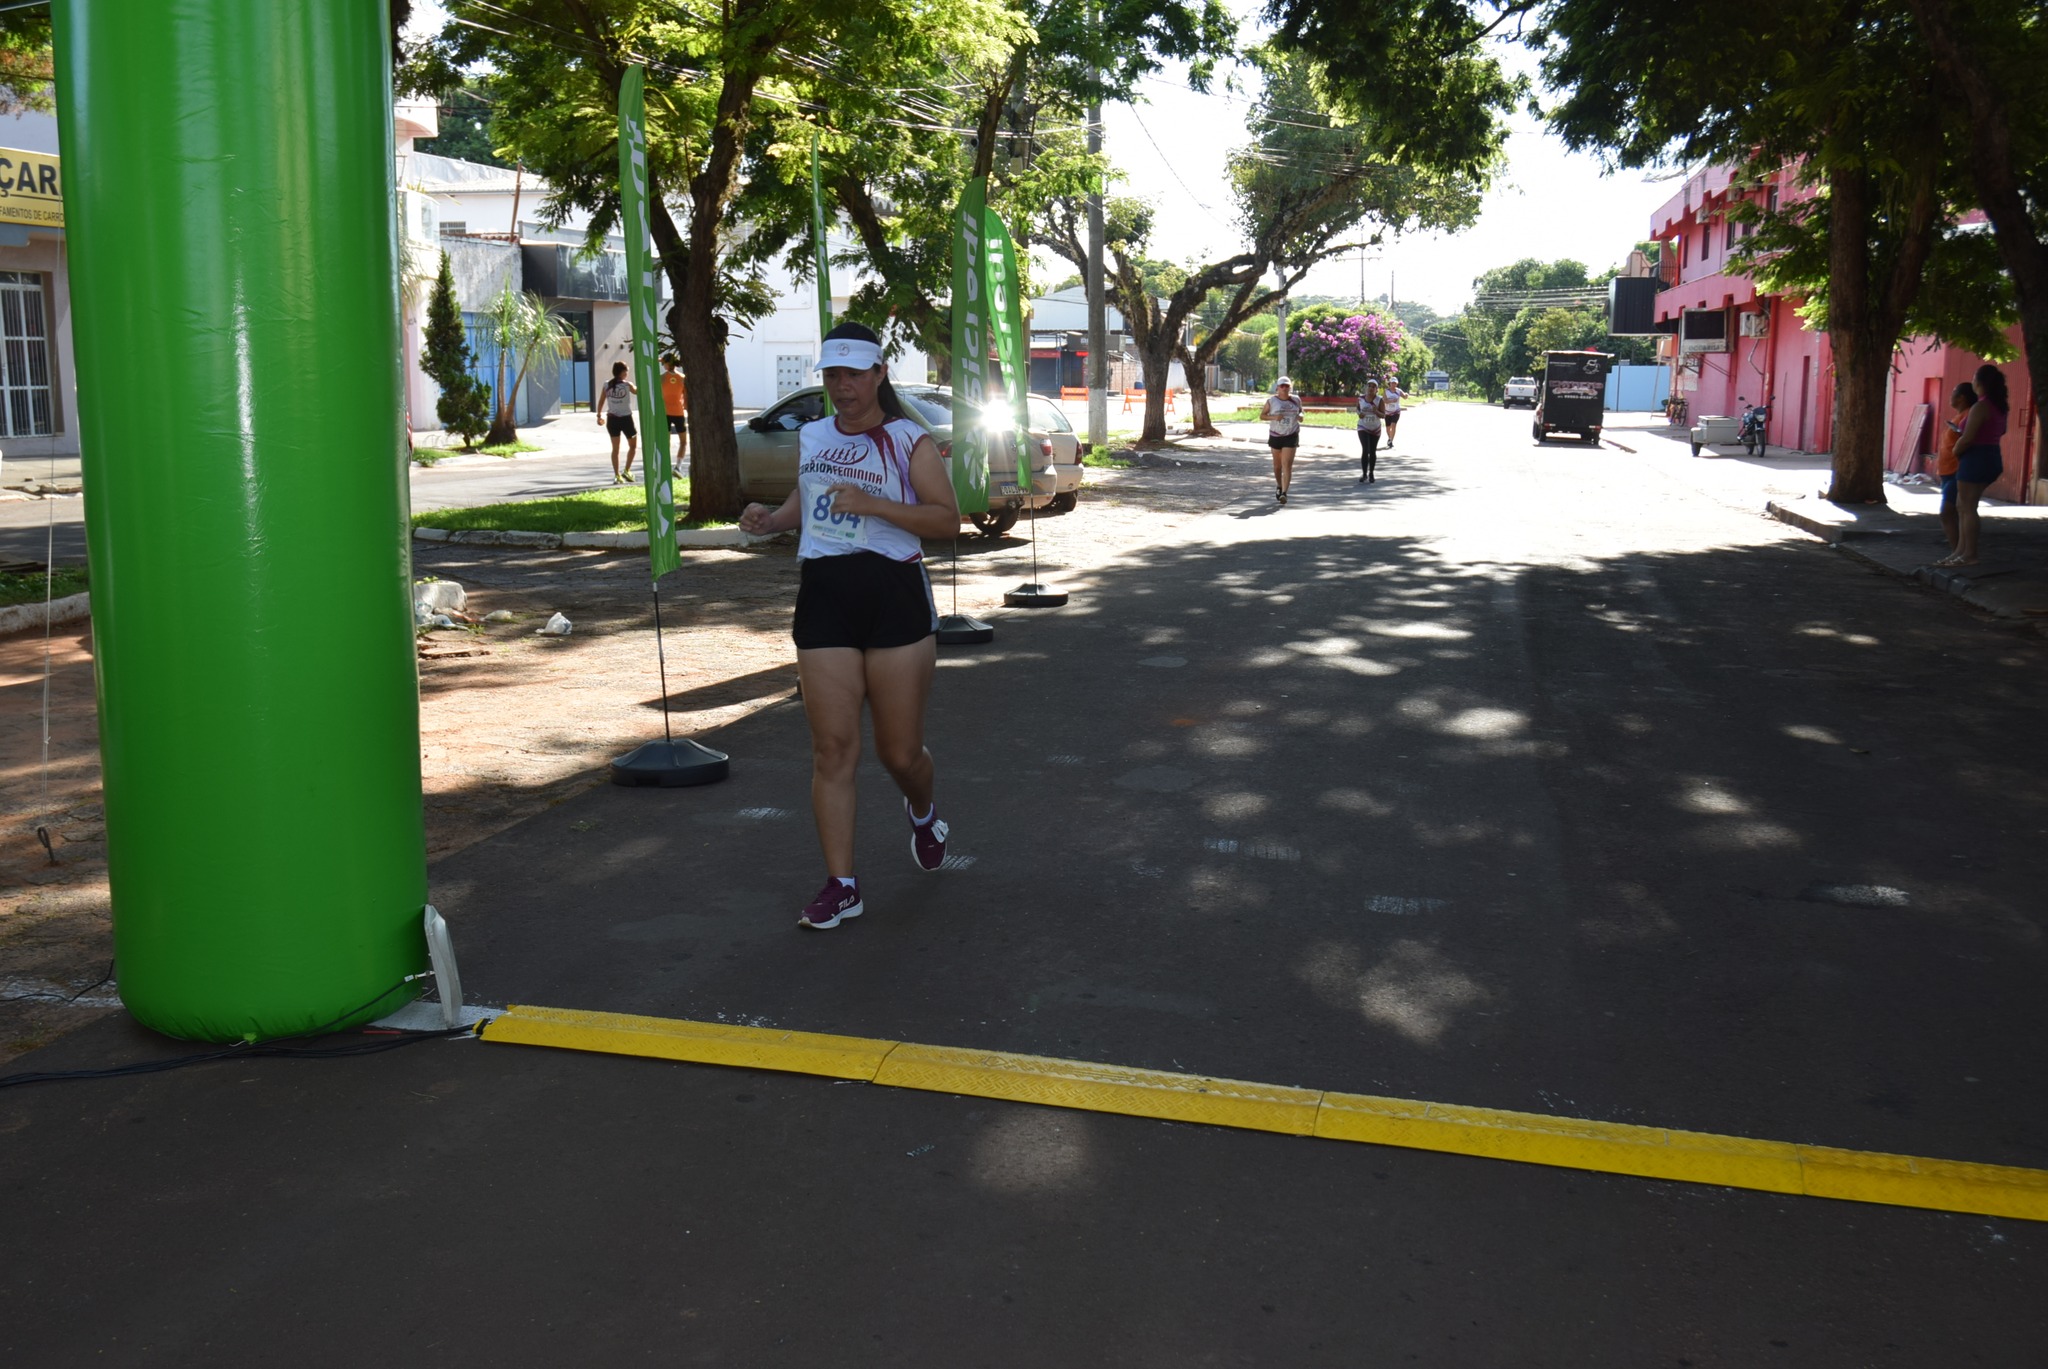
670, 765
1033, 595
957, 629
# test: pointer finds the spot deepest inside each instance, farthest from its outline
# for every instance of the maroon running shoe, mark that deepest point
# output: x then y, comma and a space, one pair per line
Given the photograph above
834, 904
927, 839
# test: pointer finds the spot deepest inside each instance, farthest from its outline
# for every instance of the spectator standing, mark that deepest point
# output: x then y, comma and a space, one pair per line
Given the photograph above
615, 412
1282, 414
1979, 461
675, 398
1960, 402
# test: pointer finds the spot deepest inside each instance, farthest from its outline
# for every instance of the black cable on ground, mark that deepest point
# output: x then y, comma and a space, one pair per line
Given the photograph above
278, 1047
261, 1049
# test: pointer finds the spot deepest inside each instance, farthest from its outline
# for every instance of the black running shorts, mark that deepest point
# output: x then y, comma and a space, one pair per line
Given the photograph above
862, 600
620, 425
1278, 440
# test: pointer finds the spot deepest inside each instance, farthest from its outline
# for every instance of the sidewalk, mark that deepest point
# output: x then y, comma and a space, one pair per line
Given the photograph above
1902, 537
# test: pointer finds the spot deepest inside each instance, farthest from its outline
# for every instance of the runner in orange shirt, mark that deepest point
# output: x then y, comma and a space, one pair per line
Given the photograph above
677, 400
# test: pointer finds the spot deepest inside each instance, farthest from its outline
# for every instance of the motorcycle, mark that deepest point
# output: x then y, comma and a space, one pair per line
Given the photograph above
1752, 435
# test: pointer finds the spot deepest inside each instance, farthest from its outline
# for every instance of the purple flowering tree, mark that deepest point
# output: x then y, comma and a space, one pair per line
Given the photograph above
1332, 350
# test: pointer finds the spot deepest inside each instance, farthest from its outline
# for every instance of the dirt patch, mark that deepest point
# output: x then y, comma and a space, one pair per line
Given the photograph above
511, 722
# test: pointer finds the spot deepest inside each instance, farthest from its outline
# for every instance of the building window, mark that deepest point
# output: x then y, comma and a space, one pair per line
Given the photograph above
455, 228
1729, 243
25, 400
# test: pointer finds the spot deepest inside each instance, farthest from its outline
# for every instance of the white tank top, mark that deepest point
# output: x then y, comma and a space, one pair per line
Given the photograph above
878, 462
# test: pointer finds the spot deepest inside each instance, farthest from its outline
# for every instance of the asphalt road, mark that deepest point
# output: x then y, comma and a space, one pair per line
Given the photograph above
1522, 778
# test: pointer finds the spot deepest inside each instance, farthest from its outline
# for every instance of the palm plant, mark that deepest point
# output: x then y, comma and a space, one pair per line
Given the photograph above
521, 325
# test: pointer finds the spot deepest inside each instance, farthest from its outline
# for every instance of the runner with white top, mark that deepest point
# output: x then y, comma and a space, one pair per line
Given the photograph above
1282, 414
870, 486
1390, 407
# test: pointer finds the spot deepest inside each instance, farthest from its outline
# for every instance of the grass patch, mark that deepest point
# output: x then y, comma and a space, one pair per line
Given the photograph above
1313, 418
512, 448
1104, 461
28, 587
617, 509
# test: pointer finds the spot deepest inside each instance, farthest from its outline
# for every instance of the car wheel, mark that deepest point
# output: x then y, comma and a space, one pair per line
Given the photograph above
1695, 449
1536, 431
995, 522
1063, 503
1593, 438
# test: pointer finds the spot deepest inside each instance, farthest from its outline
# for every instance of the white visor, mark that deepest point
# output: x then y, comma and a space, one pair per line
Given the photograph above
849, 352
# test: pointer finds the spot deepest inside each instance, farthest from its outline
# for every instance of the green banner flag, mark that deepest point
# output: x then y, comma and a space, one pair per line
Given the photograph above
824, 257
970, 349
655, 472
818, 246
1006, 321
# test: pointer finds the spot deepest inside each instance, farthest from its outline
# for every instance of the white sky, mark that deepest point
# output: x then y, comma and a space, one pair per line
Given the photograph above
1550, 203
1170, 149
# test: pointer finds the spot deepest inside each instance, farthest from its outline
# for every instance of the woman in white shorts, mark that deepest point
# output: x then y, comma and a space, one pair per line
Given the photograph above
870, 486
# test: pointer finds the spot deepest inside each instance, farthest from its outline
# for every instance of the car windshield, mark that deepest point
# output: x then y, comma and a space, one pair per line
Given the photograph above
933, 407
1046, 414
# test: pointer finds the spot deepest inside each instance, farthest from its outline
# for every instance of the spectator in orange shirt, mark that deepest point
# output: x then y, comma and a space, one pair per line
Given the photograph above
1948, 462
677, 400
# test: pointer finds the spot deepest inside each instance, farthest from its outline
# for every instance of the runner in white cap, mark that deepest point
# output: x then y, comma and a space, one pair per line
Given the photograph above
870, 485
1283, 433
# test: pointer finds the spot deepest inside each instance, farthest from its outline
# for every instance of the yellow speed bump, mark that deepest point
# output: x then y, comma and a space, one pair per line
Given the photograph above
1530, 1137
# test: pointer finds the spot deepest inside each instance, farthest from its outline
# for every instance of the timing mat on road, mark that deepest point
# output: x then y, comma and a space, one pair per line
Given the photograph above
1532, 1138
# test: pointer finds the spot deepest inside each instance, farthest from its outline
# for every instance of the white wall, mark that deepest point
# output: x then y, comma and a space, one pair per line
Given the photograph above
751, 354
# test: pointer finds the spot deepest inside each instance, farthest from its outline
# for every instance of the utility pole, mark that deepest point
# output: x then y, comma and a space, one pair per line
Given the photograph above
1098, 320
1280, 310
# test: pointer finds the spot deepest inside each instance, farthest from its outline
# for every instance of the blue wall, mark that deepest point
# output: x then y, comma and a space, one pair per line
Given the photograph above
1640, 389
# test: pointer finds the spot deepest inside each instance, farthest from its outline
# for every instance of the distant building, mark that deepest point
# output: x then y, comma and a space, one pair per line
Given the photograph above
38, 391
1729, 342
1059, 343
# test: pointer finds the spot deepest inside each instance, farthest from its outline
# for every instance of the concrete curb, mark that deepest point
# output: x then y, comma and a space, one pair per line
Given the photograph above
1863, 543
70, 609
633, 540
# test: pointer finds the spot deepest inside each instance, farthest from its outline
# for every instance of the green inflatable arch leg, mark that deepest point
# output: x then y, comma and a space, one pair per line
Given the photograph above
229, 212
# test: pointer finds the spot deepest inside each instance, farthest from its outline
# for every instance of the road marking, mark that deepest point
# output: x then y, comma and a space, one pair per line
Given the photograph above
1492, 1133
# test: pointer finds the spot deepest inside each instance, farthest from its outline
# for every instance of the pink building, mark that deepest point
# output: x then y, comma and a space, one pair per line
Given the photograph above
1731, 344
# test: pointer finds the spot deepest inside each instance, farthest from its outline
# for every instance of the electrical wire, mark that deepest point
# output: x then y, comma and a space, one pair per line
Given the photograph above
273, 1047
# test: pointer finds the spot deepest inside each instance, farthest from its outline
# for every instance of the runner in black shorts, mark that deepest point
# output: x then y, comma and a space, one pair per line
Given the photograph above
870, 485
615, 411
1283, 434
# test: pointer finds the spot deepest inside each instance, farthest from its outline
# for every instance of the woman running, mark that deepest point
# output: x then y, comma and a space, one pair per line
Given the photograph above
1282, 414
1390, 409
615, 412
1369, 420
870, 486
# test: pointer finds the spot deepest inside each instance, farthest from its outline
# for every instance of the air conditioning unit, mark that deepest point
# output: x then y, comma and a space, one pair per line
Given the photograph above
1755, 325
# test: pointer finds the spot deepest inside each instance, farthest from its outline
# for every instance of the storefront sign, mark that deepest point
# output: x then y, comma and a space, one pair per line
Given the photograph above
29, 189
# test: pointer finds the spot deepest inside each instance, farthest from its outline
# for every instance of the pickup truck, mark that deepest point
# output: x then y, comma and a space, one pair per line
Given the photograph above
1520, 390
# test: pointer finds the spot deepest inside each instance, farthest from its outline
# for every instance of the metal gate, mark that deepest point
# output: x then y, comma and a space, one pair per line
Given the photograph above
25, 404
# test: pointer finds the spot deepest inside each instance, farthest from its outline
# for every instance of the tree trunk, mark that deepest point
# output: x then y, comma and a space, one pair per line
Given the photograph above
692, 270
1868, 297
699, 336
504, 431
1999, 195
1155, 363
1198, 393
